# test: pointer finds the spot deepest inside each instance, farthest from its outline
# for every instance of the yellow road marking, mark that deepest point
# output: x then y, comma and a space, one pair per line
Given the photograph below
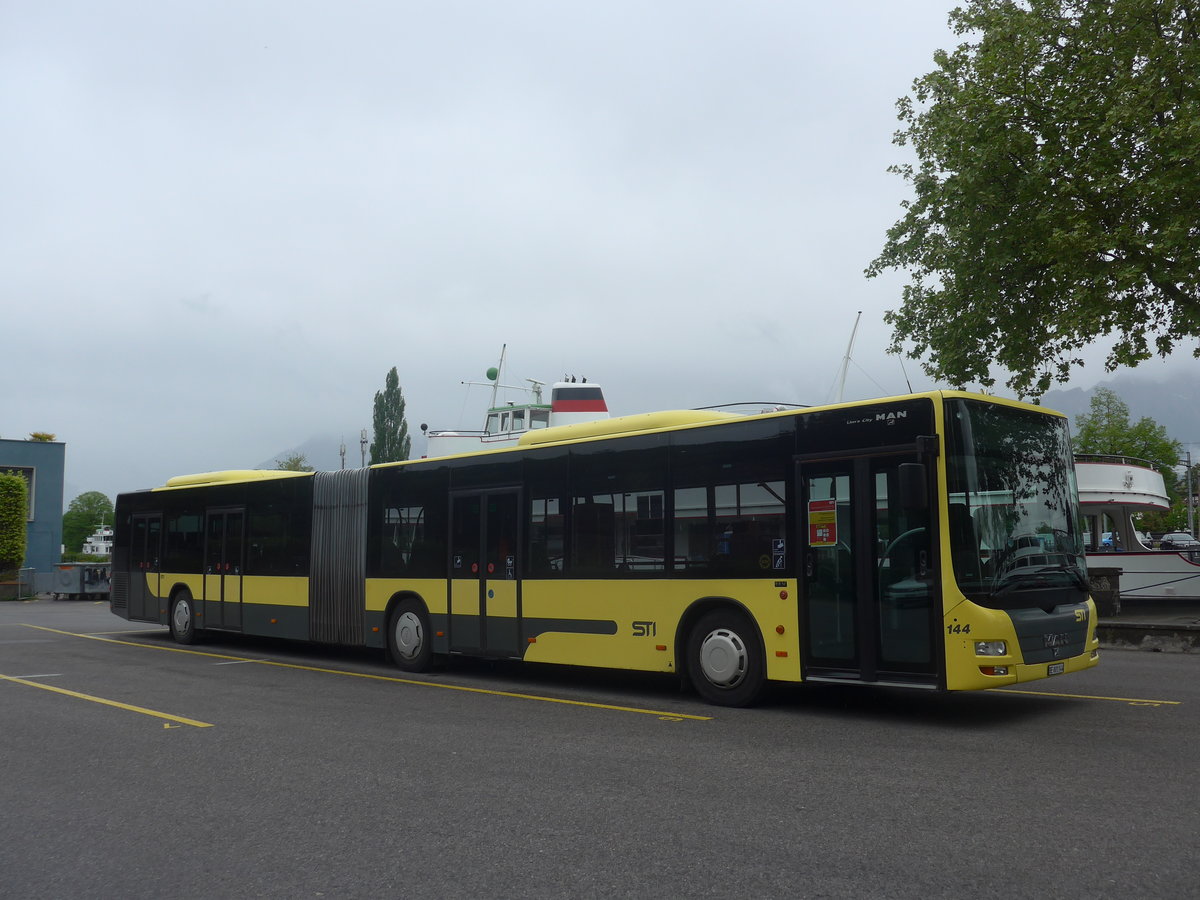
96, 637
666, 716
1133, 700
474, 690
117, 704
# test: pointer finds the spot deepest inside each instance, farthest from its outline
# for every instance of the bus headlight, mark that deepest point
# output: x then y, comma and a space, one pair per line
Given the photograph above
991, 648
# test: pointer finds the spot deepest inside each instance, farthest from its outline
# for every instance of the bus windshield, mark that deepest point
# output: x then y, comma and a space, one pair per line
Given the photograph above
1013, 511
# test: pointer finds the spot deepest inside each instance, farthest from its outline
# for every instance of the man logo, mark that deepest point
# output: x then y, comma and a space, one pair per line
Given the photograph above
1056, 642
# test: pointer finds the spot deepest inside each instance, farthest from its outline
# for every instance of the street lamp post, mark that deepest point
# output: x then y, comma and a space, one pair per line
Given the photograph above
1191, 498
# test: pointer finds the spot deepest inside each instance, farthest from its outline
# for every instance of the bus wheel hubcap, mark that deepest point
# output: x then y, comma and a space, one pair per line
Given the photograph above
183, 616
408, 634
723, 658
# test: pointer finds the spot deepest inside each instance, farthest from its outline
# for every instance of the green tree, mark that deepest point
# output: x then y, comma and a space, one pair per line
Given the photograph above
1056, 190
14, 512
391, 443
1106, 429
84, 514
293, 462
44, 436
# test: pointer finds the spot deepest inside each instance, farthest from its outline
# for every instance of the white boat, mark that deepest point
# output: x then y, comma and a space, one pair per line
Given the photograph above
100, 542
1111, 490
571, 401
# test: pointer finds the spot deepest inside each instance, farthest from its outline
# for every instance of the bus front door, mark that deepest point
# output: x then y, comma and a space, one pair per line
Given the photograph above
223, 569
484, 590
144, 567
870, 579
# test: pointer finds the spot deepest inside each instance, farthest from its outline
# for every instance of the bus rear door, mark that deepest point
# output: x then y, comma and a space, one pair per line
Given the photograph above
144, 566
223, 568
484, 590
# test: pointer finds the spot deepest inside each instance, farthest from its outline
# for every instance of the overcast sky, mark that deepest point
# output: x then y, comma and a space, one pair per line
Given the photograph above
221, 223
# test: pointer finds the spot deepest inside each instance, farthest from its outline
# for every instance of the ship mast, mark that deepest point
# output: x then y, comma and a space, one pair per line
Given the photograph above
846, 359
494, 375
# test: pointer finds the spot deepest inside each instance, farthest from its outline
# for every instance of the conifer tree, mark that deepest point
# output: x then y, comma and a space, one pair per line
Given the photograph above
391, 440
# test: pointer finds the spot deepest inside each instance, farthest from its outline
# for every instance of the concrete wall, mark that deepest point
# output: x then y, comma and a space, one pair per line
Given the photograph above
42, 462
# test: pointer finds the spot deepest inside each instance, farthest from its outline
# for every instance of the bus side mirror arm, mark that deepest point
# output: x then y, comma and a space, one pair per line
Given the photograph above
914, 487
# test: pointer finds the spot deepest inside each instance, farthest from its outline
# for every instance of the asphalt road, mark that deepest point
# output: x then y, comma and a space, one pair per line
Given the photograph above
241, 768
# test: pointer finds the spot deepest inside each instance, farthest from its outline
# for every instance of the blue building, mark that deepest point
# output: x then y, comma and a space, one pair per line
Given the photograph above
42, 463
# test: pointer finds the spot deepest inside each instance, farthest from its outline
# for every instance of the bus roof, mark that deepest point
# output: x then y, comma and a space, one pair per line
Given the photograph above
232, 476
624, 425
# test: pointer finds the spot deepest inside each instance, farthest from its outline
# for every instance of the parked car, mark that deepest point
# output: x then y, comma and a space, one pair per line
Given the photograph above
1178, 540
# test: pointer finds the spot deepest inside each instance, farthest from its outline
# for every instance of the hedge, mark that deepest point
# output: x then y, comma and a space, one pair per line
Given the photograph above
14, 513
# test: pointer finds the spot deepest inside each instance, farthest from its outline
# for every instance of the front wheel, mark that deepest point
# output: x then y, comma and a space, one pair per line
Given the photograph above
725, 660
409, 638
183, 619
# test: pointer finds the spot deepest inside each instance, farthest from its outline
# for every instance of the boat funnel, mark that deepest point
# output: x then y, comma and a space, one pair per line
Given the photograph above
572, 402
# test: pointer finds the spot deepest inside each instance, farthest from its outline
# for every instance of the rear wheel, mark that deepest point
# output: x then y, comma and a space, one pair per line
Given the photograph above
183, 618
409, 638
724, 658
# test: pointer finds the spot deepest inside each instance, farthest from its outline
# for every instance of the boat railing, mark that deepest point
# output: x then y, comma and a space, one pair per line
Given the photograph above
1117, 460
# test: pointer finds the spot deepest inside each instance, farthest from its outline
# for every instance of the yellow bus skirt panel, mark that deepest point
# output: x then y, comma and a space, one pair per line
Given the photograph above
432, 592
275, 590
638, 621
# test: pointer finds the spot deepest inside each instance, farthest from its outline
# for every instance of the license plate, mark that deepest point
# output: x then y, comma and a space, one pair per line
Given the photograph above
1056, 668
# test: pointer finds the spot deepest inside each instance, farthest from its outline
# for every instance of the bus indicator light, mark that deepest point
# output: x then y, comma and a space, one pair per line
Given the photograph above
779, 629
660, 646
781, 653
783, 595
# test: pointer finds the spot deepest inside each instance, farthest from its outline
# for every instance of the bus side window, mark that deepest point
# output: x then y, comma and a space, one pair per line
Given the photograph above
731, 529
592, 548
546, 534
618, 514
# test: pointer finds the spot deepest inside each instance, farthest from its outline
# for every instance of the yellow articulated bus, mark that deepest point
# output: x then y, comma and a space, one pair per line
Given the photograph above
928, 541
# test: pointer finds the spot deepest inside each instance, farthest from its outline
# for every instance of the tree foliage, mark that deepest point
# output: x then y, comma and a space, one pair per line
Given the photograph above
392, 442
1106, 430
14, 512
43, 436
293, 462
84, 514
1056, 191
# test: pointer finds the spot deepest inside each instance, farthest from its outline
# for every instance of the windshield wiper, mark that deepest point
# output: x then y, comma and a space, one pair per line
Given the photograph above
1075, 572
1015, 579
